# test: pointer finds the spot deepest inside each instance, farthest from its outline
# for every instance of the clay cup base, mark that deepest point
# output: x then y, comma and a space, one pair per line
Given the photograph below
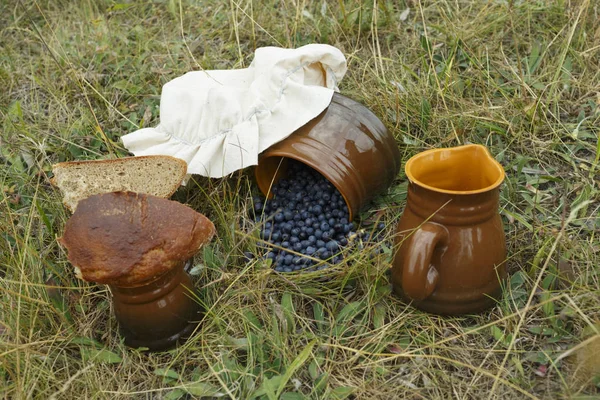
431, 305
160, 344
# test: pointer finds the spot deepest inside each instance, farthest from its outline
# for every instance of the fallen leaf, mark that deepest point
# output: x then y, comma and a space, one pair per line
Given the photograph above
396, 349
541, 370
566, 274
404, 14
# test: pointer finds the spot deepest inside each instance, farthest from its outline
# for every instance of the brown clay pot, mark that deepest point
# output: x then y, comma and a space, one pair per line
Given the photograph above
159, 314
347, 144
451, 252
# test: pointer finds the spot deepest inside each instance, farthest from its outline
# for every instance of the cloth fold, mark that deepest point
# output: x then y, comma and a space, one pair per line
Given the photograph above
218, 121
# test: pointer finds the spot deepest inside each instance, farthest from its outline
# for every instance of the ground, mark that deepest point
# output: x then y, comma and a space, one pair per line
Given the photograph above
520, 77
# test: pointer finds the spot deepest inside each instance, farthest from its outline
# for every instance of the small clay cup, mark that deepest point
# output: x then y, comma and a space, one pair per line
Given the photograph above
347, 144
451, 251
158, 314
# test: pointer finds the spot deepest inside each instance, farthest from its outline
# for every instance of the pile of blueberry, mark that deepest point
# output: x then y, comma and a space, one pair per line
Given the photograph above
305, 223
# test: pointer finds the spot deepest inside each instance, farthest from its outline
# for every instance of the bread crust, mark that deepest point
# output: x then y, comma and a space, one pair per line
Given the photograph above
127, 239
124, 160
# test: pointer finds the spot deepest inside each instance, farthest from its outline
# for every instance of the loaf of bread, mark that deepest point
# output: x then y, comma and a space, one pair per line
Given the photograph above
127, 239
154, 175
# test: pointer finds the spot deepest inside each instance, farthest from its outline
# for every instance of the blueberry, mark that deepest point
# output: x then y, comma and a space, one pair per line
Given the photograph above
297, 246
285, 236
332, 246
294, 240
321, 218
312, 239
279, 217
325, 255
308, 221
279, 268
338, 227
326, 196
320, 243
324, 226
295, 232
288, 259
344, 242
381, 226
318, 234
304, 215
268, 224
275, 237
271, 255
303, 235
285, 244
305, 244
287, 215
265, 234
317, 209
331, 221
287, 227
310, 250
326, 235
258, 207
287, 269
297, 217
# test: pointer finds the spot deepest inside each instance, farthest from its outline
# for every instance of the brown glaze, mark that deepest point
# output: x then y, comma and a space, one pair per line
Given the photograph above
450, 241
159, 314
347, 144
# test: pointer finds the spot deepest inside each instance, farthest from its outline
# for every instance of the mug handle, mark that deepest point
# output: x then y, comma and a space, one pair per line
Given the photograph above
419, 277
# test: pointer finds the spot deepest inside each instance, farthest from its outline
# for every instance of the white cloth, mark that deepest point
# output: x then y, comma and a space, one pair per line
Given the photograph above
219, 121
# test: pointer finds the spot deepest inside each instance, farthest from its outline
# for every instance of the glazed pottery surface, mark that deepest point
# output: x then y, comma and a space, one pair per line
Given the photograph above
347, 144
450, 244
159, 314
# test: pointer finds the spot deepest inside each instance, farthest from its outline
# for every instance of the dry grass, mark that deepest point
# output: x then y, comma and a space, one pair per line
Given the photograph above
521, 77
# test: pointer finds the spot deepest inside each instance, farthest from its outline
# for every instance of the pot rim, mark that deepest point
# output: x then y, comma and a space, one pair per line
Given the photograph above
416, 157
316, 167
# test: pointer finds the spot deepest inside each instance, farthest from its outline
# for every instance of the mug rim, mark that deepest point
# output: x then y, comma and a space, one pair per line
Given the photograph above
413, 180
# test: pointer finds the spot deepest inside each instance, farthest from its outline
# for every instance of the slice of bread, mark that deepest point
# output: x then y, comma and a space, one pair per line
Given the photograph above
154, 175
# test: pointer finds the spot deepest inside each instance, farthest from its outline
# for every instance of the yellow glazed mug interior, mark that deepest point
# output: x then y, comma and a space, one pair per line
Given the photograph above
467, 169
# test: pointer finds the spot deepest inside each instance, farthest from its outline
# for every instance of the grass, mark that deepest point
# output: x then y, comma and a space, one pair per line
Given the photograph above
521, 77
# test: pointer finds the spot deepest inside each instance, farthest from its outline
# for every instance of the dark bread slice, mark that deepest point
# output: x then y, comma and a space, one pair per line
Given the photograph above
127, 239
154, 175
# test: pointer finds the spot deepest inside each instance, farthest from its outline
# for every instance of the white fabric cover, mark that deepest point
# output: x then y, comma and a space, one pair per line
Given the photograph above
219, 121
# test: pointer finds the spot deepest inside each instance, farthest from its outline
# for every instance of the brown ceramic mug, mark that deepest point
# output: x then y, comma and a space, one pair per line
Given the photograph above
450, 244
158, 314
347, 144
